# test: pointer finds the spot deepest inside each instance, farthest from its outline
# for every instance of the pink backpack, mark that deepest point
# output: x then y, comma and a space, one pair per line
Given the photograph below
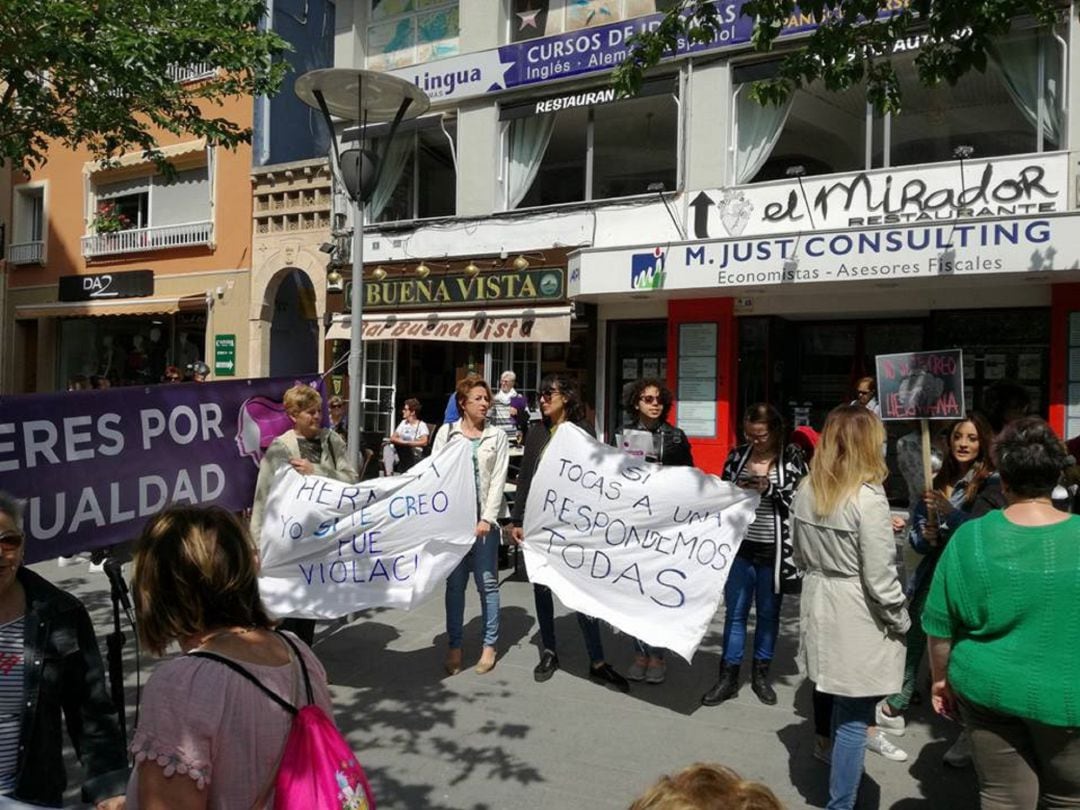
318, 770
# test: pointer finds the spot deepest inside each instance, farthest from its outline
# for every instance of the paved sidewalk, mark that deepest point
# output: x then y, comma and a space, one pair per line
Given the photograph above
488, 742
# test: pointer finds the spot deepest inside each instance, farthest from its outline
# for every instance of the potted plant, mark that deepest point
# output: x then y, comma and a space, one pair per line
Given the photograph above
108, 219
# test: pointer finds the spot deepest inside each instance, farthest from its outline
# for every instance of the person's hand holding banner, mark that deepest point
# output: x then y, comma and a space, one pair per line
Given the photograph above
645, 548
329, 548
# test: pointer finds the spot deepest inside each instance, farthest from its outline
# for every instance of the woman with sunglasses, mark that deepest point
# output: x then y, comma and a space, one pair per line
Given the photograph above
560, 402
762, 571
648, 403
51, 666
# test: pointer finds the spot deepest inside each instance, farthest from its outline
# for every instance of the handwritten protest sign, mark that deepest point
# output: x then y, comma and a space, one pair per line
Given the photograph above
921, 385
643, 547
329, 548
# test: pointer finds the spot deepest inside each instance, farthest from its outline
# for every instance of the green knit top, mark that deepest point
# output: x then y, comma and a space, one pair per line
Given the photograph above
1009, 598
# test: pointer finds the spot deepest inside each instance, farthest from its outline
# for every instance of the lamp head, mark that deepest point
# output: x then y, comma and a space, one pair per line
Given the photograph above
334, 280
378, 274
471, 270
521, 263
423, 270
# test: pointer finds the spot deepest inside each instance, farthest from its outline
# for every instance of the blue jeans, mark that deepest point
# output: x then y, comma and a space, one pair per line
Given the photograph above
545, 617
483, 562
851, 717
749, 582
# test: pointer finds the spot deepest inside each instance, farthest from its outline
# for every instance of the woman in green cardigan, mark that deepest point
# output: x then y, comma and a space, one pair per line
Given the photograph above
1003, 621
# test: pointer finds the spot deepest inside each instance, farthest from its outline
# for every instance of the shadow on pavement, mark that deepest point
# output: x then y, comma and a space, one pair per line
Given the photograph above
406, 705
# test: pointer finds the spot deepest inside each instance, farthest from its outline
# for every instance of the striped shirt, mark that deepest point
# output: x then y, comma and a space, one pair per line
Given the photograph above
11, 701
763, 529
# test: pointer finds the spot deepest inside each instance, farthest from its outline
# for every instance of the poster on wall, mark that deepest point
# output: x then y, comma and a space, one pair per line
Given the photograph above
921, 385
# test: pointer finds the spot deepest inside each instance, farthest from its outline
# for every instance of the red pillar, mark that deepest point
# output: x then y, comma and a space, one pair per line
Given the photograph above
709, 453
1064, 300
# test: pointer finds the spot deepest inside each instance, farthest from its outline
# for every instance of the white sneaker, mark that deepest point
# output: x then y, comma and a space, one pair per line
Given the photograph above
959, 754
880, 744
656, 671
894, 725
637, 670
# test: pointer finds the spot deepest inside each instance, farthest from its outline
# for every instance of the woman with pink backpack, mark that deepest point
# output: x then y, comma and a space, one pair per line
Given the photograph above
243, 718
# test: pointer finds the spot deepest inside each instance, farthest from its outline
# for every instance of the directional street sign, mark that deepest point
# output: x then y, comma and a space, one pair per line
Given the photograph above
225, 355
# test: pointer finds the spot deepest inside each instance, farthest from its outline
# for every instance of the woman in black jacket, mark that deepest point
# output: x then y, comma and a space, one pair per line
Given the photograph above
50, 656
647, 404
559, 402
763, 569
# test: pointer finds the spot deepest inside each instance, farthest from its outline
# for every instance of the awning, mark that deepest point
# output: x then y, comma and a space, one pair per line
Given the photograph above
539, 325
123, 306
173, 153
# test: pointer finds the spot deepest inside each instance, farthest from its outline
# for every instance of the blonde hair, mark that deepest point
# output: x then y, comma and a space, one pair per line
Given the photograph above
848, 455
300, 398
707, 787
195, 569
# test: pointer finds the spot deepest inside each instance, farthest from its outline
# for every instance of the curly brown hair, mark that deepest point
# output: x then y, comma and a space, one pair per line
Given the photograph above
704, 786
638, 388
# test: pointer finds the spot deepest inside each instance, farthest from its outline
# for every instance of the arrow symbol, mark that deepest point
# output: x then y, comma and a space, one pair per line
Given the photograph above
701, 205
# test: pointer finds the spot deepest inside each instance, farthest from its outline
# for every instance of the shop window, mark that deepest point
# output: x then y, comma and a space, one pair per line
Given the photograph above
28, 225
410, 32
380, 372
419, 178
524, 360
128, 350
529, 19
591, 153
1014, 107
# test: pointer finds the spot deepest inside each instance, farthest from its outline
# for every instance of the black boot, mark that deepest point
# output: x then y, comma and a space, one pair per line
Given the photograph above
759, 682
726, 688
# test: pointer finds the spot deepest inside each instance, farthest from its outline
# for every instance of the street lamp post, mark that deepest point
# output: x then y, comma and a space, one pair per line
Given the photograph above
365, 97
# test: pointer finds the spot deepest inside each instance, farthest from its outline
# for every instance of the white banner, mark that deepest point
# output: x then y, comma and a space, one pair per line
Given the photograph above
329, 548
643, 547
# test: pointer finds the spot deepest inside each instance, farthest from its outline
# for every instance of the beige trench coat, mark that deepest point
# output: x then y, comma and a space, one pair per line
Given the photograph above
852, 619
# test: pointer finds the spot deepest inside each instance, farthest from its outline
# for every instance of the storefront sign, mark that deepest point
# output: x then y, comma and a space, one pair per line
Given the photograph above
1008, 186
921, 385
970, 247
103, 286
542, 285
593, 50
491, 328
643, 547
92, 466
225, 355
329, 548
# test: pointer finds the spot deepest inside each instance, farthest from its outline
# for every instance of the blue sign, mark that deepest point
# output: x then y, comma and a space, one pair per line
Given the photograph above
577, 53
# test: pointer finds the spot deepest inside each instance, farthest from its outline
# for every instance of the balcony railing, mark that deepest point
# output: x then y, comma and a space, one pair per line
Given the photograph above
191, 73
141, 240
26, 252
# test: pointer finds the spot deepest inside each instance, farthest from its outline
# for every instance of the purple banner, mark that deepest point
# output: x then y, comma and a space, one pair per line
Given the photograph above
92, 466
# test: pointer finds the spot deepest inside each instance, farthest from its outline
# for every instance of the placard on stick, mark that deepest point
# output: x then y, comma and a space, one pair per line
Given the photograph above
924, 386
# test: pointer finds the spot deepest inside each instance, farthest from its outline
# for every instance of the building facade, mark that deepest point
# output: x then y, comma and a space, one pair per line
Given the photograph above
118, 271
740, 253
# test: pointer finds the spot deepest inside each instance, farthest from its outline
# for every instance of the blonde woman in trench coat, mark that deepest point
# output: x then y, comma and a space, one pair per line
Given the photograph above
852, 614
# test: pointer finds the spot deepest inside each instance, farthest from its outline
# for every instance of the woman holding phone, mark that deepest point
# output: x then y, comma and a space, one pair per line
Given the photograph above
762, 570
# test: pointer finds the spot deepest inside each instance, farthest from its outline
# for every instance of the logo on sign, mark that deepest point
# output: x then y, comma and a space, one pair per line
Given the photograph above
647, 270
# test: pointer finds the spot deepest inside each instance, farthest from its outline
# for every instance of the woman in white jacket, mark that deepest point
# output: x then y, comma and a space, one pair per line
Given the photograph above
852, 618
490, 452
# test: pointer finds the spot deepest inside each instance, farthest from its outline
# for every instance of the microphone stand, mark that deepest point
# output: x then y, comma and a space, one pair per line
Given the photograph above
115, 640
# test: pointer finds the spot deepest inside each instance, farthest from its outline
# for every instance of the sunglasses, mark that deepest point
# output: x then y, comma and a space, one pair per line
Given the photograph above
10, 541
548, 393
650, 399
